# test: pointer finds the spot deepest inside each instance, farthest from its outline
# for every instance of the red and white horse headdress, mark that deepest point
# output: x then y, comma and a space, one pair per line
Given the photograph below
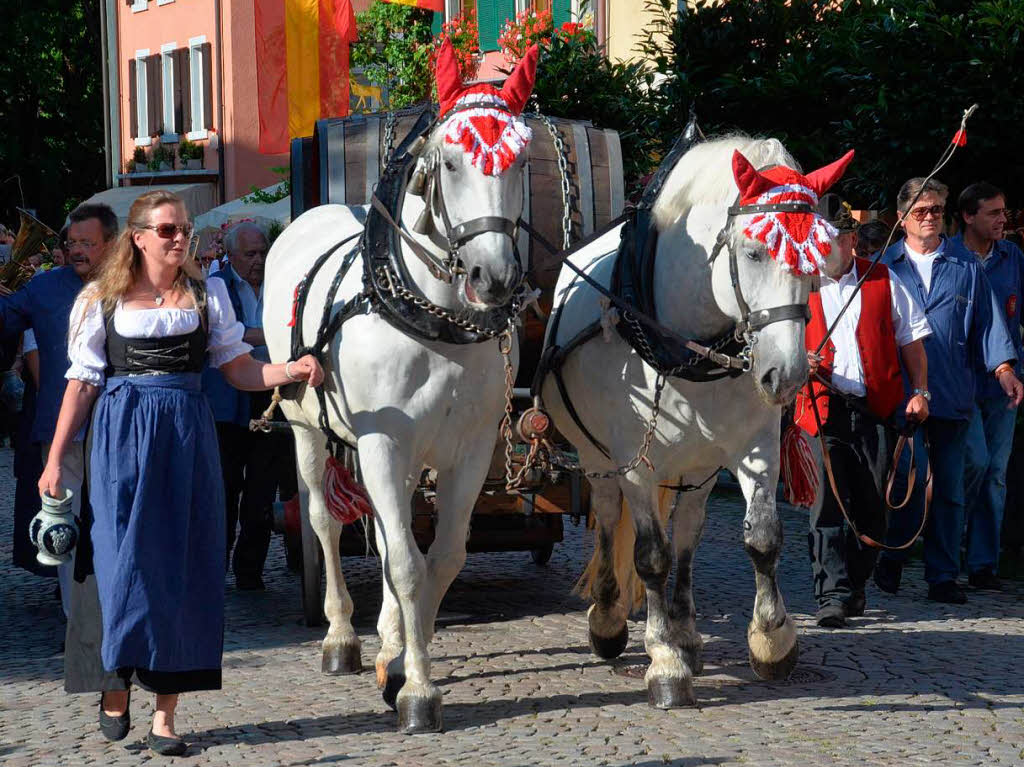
492, 133
799, 240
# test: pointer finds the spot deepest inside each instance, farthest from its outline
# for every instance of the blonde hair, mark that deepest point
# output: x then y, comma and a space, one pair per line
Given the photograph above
120, 269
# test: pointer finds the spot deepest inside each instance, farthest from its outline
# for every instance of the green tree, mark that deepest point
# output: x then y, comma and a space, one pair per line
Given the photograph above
889, 78
394, 50
51, 106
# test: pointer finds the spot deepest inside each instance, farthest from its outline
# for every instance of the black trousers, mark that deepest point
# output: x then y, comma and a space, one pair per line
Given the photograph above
860, 451
254, 466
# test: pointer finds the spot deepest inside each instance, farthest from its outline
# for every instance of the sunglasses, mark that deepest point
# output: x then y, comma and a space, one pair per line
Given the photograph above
168, 231
920, 214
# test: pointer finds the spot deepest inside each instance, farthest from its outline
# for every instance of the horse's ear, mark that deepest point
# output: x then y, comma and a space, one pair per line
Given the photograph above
519, 85
446, 75
823, 178
748, 180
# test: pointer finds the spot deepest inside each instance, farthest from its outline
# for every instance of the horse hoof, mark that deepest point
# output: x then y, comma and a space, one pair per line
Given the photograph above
773, 654
670, 692
342, 659
609, 647
394, 683
419, 714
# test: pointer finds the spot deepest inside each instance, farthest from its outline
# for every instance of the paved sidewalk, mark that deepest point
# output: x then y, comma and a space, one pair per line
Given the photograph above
911, 683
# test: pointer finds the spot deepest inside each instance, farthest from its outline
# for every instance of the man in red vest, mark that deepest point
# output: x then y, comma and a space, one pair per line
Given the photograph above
861, 363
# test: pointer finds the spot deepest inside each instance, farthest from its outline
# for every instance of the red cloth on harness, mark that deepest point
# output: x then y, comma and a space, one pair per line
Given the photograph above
876, 339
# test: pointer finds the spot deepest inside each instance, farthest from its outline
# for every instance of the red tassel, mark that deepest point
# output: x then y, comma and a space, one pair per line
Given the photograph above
801, 479
346, 499
960, 139
295, 306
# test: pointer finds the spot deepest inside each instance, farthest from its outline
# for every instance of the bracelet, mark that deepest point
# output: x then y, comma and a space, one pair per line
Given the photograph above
288, 372
1003, 368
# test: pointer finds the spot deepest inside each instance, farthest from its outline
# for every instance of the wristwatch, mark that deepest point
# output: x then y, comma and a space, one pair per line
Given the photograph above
924, 393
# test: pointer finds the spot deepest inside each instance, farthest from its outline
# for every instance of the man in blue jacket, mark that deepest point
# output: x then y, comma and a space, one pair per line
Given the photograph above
990, 434
968, 330
43, 306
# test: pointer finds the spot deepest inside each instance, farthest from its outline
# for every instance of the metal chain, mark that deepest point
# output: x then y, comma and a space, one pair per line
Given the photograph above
389, 140
563, 172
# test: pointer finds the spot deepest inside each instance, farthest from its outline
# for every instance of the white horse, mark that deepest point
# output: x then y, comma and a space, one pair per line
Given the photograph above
732, 422
406, 402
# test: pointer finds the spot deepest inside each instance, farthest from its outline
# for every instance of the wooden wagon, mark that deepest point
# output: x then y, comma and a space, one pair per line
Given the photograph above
573, 186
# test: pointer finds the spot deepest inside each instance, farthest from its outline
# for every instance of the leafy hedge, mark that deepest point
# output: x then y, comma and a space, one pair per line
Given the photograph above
889, 78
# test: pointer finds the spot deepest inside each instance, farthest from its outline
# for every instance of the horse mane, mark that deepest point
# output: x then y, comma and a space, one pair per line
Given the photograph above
703, 176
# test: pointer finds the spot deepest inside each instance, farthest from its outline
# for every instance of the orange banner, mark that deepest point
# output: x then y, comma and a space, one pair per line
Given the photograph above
302, 65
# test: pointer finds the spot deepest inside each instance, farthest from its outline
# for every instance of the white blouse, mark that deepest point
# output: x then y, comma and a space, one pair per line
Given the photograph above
88, 333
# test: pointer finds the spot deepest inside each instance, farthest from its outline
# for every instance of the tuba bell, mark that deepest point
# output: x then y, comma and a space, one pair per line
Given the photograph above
31, 238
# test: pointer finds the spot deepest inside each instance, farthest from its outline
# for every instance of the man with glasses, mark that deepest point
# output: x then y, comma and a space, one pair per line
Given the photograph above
990, 433
968, 330
43, 306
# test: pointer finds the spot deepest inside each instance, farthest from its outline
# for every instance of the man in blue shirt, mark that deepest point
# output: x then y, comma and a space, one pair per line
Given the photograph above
990, 434
968, 330
43, 306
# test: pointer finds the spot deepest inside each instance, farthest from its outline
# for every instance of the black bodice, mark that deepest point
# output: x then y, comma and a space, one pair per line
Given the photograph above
184, 353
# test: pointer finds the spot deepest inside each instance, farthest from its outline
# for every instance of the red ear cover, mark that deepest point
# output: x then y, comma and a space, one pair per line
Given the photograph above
748, 180
519, 85
823, 178
446, 75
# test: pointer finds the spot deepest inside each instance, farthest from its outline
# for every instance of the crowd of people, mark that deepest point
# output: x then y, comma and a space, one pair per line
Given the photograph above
930, 345
167, 362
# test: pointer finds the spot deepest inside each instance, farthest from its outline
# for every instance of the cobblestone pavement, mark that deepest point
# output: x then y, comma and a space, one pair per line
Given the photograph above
911, 682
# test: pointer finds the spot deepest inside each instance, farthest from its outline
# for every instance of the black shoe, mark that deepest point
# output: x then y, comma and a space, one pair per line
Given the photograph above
986, 580
855, 605
116, 727
249, 582
888, 575
166, 746
831, 616
948, 592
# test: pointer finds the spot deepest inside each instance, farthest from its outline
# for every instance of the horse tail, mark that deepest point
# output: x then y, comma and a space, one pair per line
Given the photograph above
631, 588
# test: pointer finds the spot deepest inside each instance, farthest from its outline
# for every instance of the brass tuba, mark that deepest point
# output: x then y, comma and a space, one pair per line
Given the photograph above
30, 240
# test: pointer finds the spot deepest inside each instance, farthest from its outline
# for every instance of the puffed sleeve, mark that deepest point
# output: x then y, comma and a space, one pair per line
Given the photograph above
87, 338
225, 330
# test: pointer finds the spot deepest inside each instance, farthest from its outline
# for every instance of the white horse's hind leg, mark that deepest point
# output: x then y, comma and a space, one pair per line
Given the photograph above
612, 593
771, 635
390, 480
388, 664
341, 646
669, 679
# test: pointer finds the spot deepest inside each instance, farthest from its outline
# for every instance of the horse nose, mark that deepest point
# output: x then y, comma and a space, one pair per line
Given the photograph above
770, 381
495, 285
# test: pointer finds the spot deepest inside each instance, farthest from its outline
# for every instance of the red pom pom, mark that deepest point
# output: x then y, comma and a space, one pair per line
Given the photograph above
960, 139
346, 499
801, 479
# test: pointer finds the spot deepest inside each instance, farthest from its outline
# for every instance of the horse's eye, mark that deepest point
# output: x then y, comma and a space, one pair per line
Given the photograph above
753, 255
449, 165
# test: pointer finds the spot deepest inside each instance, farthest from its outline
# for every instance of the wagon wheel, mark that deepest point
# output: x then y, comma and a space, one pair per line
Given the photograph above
312, 567
541, 556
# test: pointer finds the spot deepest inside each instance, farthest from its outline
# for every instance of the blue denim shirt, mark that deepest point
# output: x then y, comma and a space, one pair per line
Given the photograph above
229, 405
1005, 271
968, 330
44, 305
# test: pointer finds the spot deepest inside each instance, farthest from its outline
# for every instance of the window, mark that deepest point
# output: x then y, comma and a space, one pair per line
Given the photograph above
164, 2
138, 5
139, 105
171, 115
200, 90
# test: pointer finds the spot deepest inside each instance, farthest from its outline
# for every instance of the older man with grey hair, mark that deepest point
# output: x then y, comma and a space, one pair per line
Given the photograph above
251, 462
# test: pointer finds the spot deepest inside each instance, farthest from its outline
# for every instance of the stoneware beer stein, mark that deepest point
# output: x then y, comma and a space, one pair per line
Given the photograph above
54, 530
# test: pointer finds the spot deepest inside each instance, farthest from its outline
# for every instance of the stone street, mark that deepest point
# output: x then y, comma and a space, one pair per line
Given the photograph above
912, 682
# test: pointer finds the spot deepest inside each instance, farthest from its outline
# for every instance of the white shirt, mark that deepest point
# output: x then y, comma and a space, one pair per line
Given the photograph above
923, 263
252, 304
28, 342
88, 331
908, 321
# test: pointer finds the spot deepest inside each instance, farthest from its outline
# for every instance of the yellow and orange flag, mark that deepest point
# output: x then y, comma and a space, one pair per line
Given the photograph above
302, 66
431, 5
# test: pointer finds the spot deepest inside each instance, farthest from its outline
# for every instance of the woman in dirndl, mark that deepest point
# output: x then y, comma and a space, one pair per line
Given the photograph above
139, 337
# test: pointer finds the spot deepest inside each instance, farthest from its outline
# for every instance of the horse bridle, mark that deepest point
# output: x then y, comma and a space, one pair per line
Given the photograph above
754, 320
456, 235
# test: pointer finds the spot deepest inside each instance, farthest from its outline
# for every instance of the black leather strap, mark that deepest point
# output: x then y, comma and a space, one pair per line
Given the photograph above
771, 207
462, 233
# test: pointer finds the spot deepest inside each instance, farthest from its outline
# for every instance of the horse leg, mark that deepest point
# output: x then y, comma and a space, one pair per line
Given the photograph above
688, 525
390, 479
389, 664
341, 646
771, 635
669, 679
610, 589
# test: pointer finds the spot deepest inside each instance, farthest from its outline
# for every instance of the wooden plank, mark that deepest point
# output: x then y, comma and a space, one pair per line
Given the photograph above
355, 162
373, 131
584, 177
615, 175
